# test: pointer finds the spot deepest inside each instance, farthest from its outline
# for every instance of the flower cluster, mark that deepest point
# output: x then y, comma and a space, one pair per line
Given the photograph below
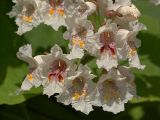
112, 44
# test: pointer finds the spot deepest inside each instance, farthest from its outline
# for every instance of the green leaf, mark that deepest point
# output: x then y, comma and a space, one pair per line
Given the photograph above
148, 80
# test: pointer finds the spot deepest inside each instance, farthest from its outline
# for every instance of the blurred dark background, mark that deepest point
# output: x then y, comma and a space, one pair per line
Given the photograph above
33, 106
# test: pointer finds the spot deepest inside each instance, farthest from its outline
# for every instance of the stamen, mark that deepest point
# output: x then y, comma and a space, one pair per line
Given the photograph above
106, 38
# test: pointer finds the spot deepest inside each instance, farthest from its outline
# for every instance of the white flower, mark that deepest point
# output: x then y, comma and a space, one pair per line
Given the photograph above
53, 13
120, 11
106, 37
115, 4
127, 47
133, 44
136, 26
80, 34
78, 9
114, 89
121, 44
78, 88
33, 77
112, 5
124, 15
54, 71
26, 14
129, 12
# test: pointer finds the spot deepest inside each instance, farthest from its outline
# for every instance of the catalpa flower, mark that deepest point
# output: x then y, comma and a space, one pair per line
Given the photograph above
53, 13
78, 88
126, 14
115, 4
80, 34
54, 71
133, 44
114, 89
111, 5
26, 14
127, 47
106, 37
129, 12
33, 77
136, 26
79, 9
63, 75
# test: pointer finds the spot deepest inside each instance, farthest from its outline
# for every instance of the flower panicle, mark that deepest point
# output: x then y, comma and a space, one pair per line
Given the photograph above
64, 75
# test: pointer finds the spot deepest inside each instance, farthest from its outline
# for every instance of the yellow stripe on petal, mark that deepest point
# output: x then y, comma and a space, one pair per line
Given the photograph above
30, 77
28, 19
51, 11
60, 11
132, 52
78, 42
76, 96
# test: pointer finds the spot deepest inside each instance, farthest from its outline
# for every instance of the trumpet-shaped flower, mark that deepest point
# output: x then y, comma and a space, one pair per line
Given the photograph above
33, 77
79, 9
127, 47
80, 34
54, 71
78, 88
53, 13
26, 14
125, 15
114, 89
111, 5
106, 38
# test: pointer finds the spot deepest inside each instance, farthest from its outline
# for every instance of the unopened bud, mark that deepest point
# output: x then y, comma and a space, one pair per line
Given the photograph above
129, 12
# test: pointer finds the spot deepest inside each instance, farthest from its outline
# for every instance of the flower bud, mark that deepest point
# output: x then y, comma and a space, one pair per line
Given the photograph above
129, 12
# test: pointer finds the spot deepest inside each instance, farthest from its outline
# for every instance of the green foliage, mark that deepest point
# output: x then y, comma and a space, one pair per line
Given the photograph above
148, 81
